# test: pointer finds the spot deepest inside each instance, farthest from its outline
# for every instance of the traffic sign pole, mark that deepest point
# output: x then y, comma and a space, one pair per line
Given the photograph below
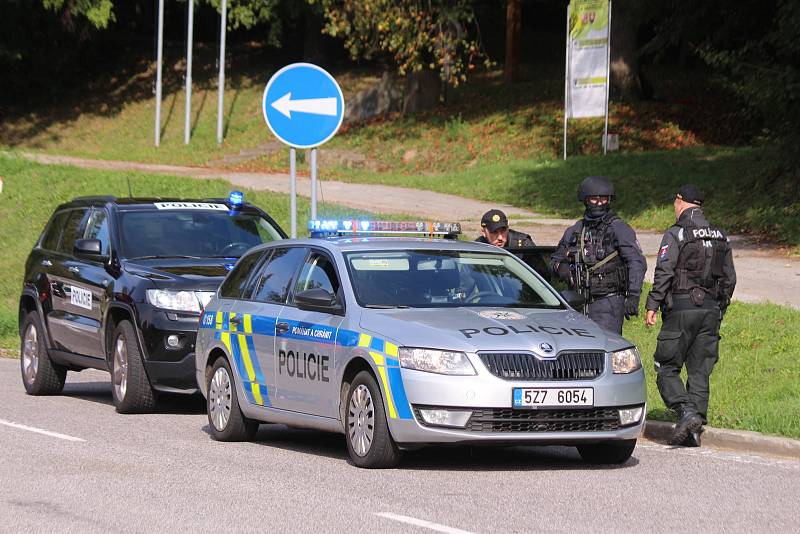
158, 71
187, 122
313, 183
293, 194
221, 83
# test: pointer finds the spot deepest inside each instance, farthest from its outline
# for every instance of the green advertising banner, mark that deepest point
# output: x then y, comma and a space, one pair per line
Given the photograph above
587, 50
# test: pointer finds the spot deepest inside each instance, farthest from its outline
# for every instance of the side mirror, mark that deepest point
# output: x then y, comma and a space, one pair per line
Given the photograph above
89, 249
573, 298
317, 299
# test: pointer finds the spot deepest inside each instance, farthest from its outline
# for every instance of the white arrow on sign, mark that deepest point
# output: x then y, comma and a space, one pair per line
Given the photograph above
317, 106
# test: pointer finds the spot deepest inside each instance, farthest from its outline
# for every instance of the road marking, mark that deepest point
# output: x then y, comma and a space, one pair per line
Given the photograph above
726, 456
422, 523
39, 431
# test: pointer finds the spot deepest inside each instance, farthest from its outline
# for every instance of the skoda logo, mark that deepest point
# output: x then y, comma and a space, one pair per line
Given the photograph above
547, 348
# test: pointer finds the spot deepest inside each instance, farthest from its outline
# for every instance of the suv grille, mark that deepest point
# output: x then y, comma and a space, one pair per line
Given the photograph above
525, 366
573, 420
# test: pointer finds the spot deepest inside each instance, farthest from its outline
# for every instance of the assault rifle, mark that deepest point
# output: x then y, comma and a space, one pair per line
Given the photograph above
580, 277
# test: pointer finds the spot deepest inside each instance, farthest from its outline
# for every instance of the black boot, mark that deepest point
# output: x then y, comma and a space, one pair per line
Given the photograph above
693, 439
688, 423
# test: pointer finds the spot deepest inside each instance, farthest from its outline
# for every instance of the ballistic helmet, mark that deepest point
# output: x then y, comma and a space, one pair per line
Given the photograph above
595, 186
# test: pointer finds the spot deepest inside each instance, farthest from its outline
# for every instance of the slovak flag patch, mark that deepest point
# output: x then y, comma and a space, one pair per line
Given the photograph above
663, 251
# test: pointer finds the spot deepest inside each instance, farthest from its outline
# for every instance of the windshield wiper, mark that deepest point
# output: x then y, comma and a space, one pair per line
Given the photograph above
167, 256
387, 306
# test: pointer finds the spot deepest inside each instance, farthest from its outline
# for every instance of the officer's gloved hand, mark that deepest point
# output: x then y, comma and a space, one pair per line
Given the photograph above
631, 306
565, 273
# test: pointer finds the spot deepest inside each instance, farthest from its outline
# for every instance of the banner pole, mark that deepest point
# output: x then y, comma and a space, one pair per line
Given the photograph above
566, 85
187, 121
608, 79
159, 54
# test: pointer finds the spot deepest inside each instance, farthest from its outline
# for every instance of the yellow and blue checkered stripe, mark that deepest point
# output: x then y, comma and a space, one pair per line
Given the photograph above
240, 345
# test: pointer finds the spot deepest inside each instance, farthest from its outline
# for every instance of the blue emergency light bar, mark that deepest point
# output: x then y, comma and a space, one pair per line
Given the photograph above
236, 199
330, 228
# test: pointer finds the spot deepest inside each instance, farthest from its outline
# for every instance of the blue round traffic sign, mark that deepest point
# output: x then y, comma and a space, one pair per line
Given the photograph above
303, 105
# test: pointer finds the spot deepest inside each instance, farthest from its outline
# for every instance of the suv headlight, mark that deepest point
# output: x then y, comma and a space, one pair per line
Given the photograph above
436, 361
626, 361
190, 301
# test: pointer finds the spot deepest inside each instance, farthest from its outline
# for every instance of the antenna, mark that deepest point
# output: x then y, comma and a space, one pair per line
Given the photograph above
130, 192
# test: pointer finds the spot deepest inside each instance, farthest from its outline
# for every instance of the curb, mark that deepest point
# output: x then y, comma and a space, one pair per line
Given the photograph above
740, 440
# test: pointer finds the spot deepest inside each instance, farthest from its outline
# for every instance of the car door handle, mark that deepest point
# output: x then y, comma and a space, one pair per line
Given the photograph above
282, 328
47, 263
75, 269
235, 321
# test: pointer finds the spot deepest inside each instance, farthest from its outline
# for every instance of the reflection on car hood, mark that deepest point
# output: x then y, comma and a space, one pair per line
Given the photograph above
498, 329
197, 274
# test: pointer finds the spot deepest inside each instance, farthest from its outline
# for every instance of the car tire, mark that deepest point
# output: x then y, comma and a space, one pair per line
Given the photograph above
130, 387
366, 430
226, 421
613, 452
40, 375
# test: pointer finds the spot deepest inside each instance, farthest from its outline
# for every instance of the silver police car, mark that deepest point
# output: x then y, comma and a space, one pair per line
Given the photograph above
405, 342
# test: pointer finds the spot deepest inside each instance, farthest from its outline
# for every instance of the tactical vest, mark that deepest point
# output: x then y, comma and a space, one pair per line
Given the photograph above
599, 250
696, 267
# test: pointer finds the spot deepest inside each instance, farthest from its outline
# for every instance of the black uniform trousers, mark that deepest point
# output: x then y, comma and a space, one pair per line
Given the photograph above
690, 337
608, 312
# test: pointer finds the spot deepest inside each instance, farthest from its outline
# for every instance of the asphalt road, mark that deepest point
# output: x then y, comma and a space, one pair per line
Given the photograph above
95, 470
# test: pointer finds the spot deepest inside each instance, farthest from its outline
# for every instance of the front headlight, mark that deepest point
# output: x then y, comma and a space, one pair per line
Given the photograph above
626, 361
176, 300
436, 361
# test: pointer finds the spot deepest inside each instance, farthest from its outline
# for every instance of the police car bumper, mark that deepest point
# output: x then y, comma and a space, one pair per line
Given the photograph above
460, 409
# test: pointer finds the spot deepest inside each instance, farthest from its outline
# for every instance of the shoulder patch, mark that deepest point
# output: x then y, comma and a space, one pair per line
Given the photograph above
663, 251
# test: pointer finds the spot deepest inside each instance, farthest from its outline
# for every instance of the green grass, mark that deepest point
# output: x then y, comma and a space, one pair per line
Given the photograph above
756, 382
32, 191
645, 182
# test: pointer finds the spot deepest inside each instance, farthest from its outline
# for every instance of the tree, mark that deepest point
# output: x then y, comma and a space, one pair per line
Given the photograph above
513, 40
431, 42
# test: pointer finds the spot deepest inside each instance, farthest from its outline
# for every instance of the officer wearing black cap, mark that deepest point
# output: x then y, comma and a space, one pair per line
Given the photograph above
603, 250
495, 231
693, 285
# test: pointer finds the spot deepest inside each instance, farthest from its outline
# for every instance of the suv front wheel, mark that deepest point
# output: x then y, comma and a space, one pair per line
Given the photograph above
40, 375
131, 388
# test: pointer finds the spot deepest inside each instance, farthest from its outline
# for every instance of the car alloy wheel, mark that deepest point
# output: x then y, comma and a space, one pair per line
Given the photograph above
120, 367
219, 399
361, 420
30, 354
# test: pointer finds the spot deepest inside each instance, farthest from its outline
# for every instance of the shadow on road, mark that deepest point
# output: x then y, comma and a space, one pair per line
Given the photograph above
100, 392
463, 458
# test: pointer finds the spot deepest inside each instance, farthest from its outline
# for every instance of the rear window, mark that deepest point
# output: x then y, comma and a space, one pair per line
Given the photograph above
73, 230
53, 231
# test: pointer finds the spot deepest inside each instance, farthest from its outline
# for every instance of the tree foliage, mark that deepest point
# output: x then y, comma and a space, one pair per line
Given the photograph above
98, 12
435, 35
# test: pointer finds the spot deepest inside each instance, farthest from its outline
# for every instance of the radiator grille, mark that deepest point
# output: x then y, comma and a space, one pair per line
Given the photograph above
525, 366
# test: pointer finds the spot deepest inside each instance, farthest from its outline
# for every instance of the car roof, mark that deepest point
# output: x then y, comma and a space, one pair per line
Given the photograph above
142, 203
352, 244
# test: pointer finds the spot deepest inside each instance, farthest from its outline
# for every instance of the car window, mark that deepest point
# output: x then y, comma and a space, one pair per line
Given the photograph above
73, 230
273, 284
97, 228
53, 231
233, 286
193, 232
318, 272
429, 278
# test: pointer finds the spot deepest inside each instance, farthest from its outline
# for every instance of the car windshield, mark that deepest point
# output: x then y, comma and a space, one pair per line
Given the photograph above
192, 233
445, 279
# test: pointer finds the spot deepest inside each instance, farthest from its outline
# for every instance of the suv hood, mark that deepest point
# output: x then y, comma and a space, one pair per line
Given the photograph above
192, 274
498, 329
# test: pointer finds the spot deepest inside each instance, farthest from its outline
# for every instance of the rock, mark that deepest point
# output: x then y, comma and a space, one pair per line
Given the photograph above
382, 98
409, 155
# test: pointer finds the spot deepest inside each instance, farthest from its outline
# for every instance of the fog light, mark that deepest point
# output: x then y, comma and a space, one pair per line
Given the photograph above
629, 416
173, 341
439, 417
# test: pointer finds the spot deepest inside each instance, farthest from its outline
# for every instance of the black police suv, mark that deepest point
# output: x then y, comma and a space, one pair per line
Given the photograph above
118, 284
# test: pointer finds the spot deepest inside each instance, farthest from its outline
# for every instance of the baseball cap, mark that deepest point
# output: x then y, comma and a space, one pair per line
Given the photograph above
691, 194
493, 220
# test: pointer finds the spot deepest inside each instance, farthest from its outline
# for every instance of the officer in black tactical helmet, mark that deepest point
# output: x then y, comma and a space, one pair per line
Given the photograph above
600, 257
693, 285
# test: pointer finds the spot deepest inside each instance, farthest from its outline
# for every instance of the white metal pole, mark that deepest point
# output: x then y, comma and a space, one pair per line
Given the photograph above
566, 86
313, 183
221, 83
293, 195
160, 46
187, 123
608, 79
